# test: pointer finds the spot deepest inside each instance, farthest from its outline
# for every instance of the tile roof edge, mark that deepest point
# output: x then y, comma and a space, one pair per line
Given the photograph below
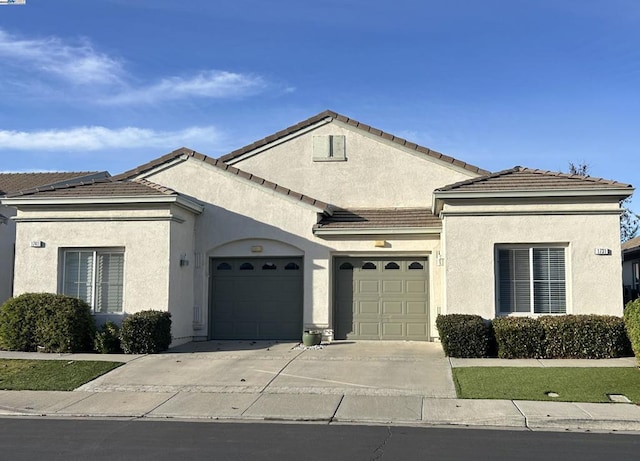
79, 176
516, 169
356, 124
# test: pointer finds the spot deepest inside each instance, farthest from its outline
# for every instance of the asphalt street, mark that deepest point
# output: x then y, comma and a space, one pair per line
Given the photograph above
77, 439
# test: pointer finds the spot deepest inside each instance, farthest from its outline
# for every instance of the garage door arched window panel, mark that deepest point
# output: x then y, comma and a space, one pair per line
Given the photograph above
416, 266
223, 267
346, 267
291, 267
532, 280
269, 267
369, 266
95, 276
246, 267
391, 266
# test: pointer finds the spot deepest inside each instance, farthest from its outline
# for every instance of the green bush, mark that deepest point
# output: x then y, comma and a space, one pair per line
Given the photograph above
463, 335
57, 323
146, 332
584, 337
108, 339
632, 325
519, 337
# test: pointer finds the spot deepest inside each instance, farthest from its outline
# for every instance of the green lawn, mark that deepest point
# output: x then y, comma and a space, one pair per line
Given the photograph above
49, 375
572, 384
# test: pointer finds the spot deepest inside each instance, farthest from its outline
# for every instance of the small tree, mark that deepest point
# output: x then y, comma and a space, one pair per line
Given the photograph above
629, 221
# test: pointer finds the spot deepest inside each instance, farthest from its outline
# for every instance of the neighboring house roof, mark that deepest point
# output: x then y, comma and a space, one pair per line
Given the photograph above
630, 245
356, 124
103, 191
370, 220
98, 188
14, 182
528, 179
183, 152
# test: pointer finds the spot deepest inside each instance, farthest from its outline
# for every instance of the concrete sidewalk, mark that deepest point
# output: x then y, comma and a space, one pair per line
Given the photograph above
360, 382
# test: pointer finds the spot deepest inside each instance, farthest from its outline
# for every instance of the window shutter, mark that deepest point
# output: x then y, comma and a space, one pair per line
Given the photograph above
321, 147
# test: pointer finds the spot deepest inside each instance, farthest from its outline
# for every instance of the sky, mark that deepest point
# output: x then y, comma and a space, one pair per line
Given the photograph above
112, 84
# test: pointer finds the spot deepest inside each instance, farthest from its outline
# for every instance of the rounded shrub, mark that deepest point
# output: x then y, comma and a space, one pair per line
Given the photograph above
108, 339
584, 337
55, 323
632, 325
519, 337
146, 332
463, 335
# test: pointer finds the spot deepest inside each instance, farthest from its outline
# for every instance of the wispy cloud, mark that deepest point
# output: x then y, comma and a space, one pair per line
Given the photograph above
206, 84
76, 63
93, 138
82, 72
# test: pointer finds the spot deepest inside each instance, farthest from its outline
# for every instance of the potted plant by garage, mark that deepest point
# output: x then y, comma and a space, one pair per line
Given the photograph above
311, 337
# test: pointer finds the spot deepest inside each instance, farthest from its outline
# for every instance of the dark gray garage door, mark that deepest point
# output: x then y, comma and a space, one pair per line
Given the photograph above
382, 298
256, 298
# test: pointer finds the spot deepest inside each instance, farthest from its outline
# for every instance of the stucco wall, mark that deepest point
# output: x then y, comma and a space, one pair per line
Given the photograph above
239, 215
146, 245
377, 173
469, 242
7, 238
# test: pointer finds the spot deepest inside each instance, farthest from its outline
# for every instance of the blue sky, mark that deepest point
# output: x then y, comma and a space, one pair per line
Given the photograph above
111, 84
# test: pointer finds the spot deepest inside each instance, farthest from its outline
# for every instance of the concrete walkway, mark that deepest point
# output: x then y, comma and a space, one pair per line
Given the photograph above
404, 383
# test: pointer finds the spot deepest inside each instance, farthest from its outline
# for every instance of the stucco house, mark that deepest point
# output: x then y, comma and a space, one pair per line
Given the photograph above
327, 224
631, 269
11, 183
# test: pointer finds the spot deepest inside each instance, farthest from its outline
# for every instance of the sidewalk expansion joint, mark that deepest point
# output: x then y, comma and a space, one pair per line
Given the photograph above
158, 406
281, 370
335, 412
526, 420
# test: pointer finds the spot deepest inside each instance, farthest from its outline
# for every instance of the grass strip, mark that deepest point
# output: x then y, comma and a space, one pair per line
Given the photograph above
571, 384
50, 375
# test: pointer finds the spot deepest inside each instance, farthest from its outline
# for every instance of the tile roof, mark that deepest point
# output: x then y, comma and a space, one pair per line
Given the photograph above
379, 218
356, 124
14, 182
99, 188
184, 152
526, 179
632, 244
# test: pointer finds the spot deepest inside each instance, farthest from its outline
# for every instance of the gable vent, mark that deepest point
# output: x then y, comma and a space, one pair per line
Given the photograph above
329, 148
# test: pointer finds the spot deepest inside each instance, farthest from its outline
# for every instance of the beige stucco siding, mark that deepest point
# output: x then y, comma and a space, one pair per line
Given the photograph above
7, 238
593, 282
146, 246
377, 173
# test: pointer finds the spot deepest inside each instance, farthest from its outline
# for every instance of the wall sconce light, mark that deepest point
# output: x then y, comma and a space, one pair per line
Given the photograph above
183, 260
256, 249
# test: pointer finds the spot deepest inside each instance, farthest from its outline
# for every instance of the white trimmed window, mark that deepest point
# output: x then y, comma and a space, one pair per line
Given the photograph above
532, 280
95, 276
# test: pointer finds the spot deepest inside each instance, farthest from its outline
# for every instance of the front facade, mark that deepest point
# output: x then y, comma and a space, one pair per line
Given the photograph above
328, 224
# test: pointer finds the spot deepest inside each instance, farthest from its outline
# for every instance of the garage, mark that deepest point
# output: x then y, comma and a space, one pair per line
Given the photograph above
256, 298
382, 298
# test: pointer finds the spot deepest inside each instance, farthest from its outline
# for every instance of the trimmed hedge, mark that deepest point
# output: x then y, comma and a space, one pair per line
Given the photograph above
108, 339
519, 337
632, 324
55, 323
463, 335
146, 332
584, 337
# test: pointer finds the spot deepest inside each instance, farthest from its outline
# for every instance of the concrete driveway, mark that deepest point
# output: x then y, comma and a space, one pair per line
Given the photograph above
386, 368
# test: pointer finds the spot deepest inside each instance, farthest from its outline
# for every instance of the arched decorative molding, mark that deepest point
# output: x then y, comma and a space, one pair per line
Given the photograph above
254, 248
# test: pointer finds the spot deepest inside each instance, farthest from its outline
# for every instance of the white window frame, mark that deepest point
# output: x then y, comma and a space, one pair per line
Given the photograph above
94, 282
532, 299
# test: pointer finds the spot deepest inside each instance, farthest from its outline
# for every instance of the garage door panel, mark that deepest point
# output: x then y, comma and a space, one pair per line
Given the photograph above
388, 302
392, 307
260, 303
392, 286
416, 286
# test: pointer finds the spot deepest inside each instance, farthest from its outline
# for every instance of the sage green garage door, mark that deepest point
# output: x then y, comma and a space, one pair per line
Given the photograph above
382, 298
256, 298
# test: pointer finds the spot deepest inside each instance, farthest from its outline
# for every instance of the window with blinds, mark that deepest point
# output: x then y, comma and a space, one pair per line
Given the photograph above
95, 276
532, 280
